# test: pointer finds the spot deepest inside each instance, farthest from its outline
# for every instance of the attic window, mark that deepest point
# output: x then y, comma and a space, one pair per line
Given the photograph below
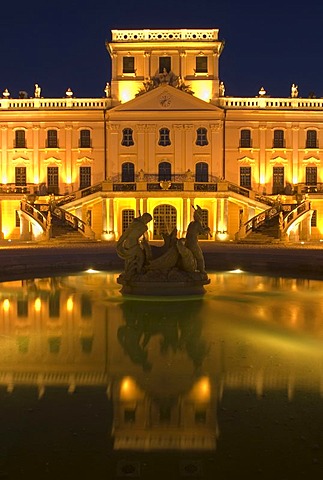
201, 64
128, 65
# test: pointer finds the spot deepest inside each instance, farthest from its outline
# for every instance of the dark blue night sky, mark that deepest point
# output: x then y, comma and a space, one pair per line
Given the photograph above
61, 44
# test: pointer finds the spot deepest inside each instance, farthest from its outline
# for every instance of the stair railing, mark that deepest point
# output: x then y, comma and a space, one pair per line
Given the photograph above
72, 220
255, 222
31, 211
294, 214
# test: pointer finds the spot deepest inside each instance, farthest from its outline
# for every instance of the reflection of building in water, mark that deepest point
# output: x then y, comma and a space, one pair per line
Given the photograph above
168, 365
176, 407
146, 422
51, 335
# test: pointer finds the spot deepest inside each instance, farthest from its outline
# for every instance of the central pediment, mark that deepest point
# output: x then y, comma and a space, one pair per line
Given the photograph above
165, 99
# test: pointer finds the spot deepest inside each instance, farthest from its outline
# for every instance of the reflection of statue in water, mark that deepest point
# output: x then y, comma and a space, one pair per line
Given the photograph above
133, 246
195, 229
178, 327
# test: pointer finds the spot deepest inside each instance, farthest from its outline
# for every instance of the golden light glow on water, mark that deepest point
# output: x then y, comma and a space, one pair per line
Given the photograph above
70, 304
6, 305
37, 304
201, 391
129, 390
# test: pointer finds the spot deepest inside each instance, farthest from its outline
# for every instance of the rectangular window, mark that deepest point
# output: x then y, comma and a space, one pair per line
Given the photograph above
129, 415
52, 179
278, 180
279, 141
164, 63
20, 176
128, 65
245, 139
311, 139
311, 176
22, 307
54, 305
85, 139
86, 306
85, 177
201, 64
314, 219
245, 177
52, 139
17, 219
20, 139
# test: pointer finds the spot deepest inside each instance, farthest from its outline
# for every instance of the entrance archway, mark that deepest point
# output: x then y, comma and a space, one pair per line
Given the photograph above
165, 220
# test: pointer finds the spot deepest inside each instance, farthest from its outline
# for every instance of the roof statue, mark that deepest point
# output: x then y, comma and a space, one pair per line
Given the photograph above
221, 89
294, 91
37, 92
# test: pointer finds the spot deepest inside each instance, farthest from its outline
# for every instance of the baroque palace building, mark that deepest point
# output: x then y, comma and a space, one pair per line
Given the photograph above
163, 139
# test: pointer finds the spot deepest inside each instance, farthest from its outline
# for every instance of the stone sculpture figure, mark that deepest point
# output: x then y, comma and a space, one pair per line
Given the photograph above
177, 267
221, 89
294, 91
37, 91
194, 229
133, 246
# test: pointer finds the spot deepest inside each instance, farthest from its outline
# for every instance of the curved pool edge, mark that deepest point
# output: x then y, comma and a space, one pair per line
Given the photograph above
27, 260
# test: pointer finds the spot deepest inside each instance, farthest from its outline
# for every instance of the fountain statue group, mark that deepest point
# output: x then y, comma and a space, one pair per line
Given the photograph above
176, 268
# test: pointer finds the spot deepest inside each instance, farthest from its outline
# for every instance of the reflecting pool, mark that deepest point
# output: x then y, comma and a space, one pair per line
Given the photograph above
96, 385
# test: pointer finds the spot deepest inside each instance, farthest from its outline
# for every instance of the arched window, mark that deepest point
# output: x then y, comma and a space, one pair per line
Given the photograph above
311, 139
201, 172
128, 216
164, 220
164, 139
128, 172
164, 171
201, 137
127, 139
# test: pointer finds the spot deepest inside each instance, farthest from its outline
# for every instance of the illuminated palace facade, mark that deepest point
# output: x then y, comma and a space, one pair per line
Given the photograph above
164, 137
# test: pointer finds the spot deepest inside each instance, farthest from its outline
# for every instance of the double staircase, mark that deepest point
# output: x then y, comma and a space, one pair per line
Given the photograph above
273, 225
64, 233
57, 224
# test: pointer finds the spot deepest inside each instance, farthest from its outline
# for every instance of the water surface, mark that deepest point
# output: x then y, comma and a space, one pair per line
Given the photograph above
95, 385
